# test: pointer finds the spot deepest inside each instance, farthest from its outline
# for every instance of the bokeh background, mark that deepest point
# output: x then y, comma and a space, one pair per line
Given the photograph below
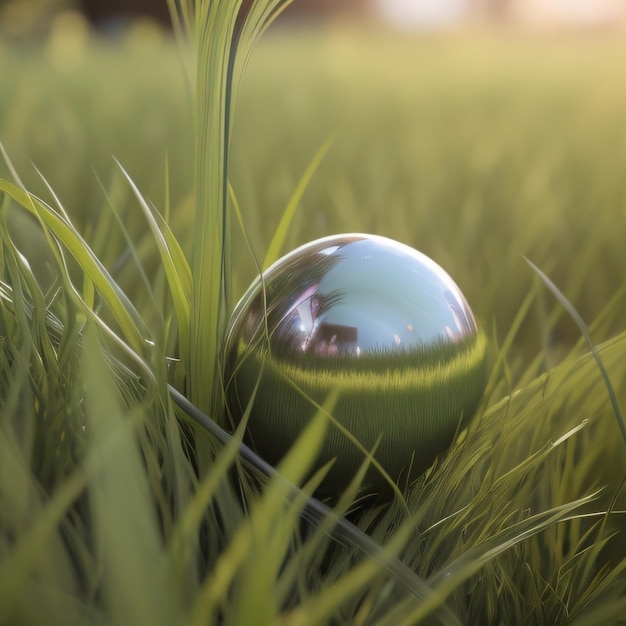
22, 18
477, 131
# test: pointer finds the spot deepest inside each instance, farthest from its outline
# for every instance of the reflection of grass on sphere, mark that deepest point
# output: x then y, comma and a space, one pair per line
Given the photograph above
476, 150
413, 400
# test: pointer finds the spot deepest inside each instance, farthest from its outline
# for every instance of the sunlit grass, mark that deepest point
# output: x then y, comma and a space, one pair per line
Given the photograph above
476, 149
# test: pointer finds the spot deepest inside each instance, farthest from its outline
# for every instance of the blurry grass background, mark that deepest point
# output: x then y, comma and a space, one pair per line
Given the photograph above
477, 148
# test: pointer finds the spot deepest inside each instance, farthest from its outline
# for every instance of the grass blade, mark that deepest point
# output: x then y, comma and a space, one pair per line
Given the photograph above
125, 314
126, 534
280, 234
584, 329
173, 261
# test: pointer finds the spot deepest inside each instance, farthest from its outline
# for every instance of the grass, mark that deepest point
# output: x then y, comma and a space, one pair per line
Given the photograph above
479, 149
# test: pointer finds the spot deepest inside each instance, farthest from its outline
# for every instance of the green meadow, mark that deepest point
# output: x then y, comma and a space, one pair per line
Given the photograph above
472, 148
484, 150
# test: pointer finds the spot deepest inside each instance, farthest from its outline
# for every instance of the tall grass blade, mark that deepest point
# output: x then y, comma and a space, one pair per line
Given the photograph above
280, 234
137, 580
173, 260
223, 32
584, 329
272, 522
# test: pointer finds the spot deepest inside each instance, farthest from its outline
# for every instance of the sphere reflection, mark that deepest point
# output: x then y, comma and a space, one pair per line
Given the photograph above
373, 318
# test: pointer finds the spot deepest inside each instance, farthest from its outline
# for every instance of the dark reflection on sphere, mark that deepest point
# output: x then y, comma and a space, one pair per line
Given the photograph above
375, 319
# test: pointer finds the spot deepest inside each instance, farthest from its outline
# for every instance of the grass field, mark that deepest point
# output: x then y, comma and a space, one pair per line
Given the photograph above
469, 147
477, 148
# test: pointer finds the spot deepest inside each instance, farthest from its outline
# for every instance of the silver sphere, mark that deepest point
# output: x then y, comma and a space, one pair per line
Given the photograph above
374, 319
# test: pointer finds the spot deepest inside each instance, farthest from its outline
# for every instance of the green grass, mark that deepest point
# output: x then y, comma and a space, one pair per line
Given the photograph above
460, 137
479, 149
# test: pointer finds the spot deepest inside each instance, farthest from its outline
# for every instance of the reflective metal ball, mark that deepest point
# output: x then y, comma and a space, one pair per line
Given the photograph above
376, 320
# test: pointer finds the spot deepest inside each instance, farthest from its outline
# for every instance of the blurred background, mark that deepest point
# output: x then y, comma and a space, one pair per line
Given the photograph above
478, 131
20, 18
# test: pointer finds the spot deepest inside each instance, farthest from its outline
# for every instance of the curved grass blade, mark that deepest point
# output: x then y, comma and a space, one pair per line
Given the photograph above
123, 310
584, 329
446, 580
280, 234
131, 249
174, 263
